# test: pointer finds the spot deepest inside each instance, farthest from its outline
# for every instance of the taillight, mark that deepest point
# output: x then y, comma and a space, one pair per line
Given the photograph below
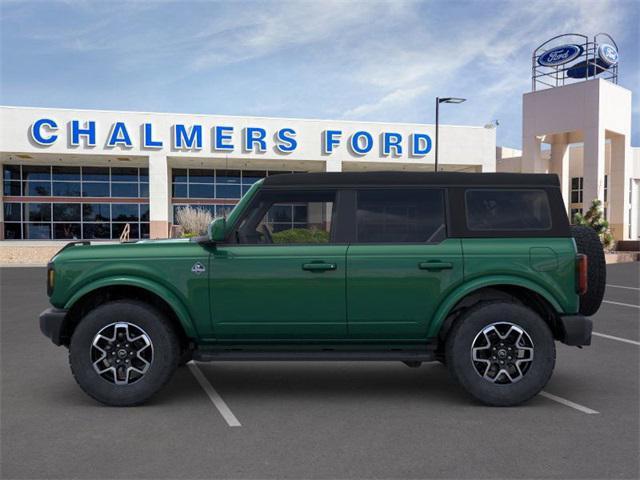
581, 274
51, 279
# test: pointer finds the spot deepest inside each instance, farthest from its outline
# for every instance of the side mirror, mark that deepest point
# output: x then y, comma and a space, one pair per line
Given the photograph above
218, 230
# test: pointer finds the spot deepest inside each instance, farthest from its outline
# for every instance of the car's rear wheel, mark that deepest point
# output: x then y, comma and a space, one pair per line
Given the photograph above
123, 352
502, 353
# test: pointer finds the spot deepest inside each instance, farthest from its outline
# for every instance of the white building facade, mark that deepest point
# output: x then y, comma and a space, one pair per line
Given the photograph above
86, 174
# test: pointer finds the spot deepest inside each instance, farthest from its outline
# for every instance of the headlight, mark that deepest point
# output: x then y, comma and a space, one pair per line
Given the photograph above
51, 279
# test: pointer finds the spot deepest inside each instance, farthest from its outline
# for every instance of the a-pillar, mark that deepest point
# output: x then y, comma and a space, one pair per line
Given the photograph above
593, 166
159, 199
618, 188
559, 164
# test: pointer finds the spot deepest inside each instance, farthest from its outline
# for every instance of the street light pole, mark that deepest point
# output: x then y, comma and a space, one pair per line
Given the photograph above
438, 102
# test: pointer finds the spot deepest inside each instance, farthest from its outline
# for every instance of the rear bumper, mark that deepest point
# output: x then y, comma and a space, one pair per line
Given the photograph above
575, 330
52, 325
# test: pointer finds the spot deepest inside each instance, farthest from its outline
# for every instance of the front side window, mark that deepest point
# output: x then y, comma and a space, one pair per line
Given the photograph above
507, 210
289, 218
400, 216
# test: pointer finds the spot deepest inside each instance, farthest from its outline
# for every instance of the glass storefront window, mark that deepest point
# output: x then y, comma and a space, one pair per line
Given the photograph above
37, 189
124, 189
66, 189
124, 212
66, 173
66, 212
96, 212
95, 189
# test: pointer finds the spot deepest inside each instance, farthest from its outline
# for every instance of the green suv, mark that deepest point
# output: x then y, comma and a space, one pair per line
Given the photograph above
481, 272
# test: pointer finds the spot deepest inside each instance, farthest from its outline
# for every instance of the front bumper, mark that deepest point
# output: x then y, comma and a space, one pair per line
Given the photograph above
53, 325
575, 330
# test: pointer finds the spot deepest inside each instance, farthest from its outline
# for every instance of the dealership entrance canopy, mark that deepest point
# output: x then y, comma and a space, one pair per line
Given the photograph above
86, 174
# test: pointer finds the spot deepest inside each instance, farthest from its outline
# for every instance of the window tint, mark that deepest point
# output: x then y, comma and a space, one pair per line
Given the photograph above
507, 210
400, 216
289, 218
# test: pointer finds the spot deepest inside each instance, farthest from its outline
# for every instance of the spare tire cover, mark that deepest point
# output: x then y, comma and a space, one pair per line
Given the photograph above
588, 243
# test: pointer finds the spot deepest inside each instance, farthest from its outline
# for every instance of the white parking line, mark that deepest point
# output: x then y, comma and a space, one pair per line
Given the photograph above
217, 400
619, 339
621, 304
622, 286
568, 403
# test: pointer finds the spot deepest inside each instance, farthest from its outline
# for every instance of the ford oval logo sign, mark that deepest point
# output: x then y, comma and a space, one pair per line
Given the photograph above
608, 54
560, 55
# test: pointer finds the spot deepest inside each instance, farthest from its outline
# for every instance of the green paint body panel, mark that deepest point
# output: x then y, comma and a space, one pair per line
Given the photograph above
390, 296
318, 296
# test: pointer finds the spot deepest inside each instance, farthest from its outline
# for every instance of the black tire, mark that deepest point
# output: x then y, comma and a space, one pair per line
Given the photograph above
588, 243
164, 360
469, 327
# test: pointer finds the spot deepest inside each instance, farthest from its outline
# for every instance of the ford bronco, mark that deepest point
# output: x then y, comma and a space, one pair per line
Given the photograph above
481, 272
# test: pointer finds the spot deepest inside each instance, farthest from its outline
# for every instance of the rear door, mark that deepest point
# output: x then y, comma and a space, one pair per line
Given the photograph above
400, 263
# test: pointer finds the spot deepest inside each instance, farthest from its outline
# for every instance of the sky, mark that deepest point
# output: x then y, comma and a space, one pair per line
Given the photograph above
352, 60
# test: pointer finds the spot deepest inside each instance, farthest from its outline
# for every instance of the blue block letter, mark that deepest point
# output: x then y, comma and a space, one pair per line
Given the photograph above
255, 135
421, 144
89, 131
36, 131
223, 135
184, 139
391, 140
330, 140
147, 138
355, 142
286, 140
119, 136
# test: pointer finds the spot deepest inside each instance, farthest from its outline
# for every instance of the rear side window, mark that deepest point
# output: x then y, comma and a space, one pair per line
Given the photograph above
507, 210
400, 216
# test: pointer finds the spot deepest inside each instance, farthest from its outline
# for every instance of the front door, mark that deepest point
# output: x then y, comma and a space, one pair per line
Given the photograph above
401, 263
282, 276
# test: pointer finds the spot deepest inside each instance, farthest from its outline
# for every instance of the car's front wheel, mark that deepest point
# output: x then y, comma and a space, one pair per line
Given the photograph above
123, 352
502, 353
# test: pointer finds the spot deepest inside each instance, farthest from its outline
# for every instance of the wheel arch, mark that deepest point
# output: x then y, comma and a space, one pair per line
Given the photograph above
108, 289
518, 290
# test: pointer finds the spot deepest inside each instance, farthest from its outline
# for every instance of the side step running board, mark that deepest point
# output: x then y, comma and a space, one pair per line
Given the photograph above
323, 355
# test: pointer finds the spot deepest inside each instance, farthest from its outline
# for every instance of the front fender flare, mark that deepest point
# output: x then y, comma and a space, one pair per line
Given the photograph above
174, 302
469, 287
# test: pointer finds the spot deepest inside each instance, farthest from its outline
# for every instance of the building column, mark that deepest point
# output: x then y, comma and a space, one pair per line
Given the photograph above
593, 165
159, 197
559, 164
619, 187
333, 165
531, 155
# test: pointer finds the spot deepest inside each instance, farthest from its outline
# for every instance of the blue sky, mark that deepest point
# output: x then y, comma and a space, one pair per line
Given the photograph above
369, 60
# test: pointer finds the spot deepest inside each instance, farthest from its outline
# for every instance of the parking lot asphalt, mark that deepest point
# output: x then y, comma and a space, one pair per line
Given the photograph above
321, 420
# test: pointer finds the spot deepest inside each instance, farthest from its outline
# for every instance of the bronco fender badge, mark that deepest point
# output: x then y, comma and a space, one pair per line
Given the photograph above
198, 268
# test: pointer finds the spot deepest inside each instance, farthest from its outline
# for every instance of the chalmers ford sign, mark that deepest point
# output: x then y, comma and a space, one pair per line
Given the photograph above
46, 132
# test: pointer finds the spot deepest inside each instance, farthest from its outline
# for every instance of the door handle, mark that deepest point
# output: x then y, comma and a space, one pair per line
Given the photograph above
319, 267
433, 266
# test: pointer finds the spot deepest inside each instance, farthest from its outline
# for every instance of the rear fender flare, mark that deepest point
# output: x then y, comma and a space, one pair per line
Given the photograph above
467, 288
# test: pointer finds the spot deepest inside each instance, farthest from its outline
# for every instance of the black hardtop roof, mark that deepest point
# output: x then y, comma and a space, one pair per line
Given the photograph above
413, 179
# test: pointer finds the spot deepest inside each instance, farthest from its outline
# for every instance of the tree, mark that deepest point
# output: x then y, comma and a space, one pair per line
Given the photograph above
594, 218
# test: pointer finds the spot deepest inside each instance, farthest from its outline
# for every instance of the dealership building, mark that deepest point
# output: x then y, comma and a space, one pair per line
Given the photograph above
85, 174
90, 174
